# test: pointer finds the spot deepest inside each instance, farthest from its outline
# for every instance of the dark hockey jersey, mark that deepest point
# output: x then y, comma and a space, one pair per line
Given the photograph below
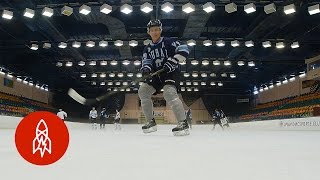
104, 114
216, 114
155, 55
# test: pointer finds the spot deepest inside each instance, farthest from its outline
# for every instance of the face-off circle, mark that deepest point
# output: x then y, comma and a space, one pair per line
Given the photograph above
42, 138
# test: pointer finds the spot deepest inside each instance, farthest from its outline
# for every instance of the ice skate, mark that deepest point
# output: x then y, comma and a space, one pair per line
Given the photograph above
150, 127
182, 129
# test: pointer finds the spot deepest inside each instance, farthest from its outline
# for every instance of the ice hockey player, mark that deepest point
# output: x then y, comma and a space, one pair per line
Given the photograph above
93, 117
189, 117
103, 118
162, 53
117, 120
224, 120
62, 115
216, 118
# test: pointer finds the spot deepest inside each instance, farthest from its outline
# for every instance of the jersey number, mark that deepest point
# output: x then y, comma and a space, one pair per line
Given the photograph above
159, 62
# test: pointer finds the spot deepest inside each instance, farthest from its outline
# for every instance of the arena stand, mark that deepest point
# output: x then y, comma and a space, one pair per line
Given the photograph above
12, 105
292, 107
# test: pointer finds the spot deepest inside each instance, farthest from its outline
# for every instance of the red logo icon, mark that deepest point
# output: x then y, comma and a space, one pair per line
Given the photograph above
42, 138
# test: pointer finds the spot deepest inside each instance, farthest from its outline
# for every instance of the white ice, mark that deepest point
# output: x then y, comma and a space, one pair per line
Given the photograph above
234, 154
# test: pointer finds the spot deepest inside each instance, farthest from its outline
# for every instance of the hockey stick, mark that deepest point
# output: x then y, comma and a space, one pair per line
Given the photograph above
80, 99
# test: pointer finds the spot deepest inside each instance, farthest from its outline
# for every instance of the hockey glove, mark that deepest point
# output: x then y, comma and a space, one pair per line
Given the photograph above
170, 65
145, 73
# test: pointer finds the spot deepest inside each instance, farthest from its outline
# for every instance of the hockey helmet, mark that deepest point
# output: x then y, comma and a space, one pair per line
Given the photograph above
153, 23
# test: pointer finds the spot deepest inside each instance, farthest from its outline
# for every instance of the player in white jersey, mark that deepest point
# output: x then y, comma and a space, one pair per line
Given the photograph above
189, 117
117, 120
62, 115
93, 117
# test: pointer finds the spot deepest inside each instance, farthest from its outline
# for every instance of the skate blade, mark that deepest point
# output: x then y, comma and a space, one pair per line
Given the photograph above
182, 133
150, 130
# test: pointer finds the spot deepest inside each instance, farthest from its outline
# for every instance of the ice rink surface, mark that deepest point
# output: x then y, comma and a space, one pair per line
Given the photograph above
234, 154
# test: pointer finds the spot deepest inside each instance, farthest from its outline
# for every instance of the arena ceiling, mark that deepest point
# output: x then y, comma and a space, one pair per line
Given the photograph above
48, 65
